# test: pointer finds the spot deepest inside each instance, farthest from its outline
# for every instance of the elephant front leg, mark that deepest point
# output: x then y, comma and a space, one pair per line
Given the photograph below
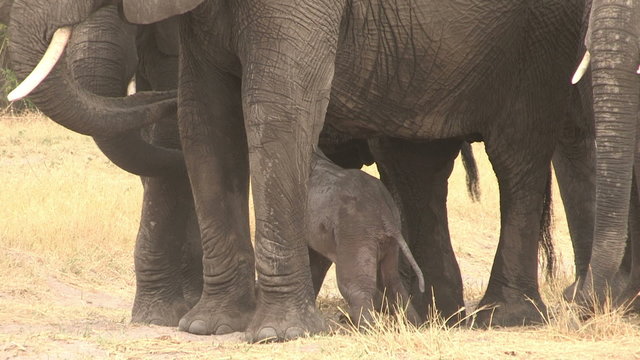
159, 296
192, 257
280, 149
574, 165
215, 150
284, 115
164, 234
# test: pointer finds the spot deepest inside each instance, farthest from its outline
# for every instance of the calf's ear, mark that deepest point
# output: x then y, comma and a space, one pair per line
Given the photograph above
150, 11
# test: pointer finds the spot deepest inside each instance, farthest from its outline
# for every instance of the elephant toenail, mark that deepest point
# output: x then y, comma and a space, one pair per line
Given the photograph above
224, 329
266, 334
157, 322
183, 325
293, 333
198, 327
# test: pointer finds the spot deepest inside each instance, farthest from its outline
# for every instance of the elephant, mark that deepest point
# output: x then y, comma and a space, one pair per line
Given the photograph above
168, 221
356, 225
157, 300
259, 78
611, 51
103, 56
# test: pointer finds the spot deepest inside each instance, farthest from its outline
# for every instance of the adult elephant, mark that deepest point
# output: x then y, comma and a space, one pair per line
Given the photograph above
612, 48
102, 56
411, 71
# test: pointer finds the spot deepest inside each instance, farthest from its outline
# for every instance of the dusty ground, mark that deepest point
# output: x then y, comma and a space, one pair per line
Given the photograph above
68, 219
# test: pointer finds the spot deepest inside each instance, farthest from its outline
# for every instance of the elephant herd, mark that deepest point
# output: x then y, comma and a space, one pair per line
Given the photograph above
265, 86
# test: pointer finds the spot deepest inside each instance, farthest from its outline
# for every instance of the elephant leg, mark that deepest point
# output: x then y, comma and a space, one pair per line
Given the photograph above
574, 165
356, 272
512, 297
159, 295
192, 258
319, 266
394, 290
285, 97
215, 150
163, 272
416, 174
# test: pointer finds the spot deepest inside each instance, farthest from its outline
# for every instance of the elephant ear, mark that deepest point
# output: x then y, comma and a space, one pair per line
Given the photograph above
151, 11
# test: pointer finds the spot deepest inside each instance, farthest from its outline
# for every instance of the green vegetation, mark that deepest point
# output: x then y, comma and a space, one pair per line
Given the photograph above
8, 80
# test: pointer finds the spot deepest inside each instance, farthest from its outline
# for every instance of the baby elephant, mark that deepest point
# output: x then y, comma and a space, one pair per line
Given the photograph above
355, 224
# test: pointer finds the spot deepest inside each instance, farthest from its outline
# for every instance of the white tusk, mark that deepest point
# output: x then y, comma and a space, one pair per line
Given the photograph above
582, 68
48, 61
638, 71
131, 89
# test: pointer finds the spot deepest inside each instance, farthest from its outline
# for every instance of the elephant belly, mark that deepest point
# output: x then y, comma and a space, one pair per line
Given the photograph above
426, 68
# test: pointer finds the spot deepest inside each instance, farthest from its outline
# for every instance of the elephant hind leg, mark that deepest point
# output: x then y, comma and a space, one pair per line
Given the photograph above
319, 266
396, 294
416, 174
356, 270
512, 295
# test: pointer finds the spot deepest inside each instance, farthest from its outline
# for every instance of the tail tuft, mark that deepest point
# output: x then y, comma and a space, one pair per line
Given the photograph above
471, 170
548, 256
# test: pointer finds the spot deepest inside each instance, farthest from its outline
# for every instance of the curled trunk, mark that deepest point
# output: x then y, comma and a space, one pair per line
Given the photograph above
61, 97
133, 154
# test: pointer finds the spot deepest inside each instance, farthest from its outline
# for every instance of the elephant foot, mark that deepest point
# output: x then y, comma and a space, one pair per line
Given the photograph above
284, 322
629, 298
161, 312
517, 311
211, 316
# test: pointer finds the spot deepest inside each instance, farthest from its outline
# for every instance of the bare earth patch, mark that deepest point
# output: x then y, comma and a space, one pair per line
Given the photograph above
68, 220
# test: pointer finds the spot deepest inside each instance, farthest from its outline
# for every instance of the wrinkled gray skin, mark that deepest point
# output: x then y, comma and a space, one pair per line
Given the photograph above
613, 39
103, 56
167, 215
356, 225
406, 71
166, 195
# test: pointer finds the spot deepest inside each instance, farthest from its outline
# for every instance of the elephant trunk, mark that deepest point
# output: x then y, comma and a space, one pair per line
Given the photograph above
59, 96
613, 41
106, 71
131, 153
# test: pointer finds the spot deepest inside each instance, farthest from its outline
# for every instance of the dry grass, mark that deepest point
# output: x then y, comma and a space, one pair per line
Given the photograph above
68, 220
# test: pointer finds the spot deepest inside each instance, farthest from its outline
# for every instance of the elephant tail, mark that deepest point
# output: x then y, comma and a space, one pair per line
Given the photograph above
412, 261
548, 258
471, 170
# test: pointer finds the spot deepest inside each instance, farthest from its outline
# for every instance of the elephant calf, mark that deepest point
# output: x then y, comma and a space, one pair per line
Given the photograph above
355, 224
